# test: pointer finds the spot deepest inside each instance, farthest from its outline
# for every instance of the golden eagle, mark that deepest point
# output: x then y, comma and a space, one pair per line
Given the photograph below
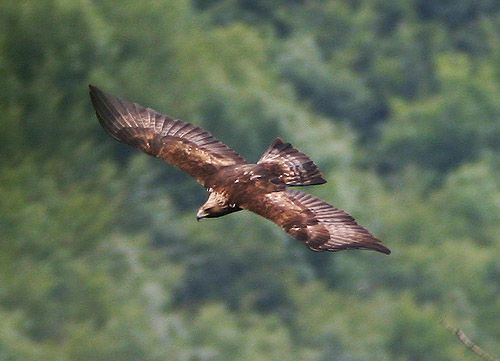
234, 184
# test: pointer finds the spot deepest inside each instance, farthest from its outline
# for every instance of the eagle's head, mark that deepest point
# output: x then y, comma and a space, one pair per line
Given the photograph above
216, 205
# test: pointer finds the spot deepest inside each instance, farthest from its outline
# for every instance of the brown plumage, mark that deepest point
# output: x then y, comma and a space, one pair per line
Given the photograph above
234, 184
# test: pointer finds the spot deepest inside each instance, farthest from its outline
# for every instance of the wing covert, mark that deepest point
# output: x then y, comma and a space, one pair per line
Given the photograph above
190, 148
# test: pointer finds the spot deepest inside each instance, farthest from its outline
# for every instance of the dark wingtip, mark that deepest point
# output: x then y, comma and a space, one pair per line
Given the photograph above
94, 94
382, 249
106, 112
93, 89
319, 180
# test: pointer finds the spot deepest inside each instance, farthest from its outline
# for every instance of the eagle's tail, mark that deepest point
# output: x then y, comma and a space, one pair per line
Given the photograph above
293, 167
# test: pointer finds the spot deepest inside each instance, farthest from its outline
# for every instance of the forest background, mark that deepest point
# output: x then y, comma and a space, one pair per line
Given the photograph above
397, 102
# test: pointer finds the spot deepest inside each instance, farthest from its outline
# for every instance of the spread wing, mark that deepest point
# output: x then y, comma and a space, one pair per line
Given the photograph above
309, 219
192, 149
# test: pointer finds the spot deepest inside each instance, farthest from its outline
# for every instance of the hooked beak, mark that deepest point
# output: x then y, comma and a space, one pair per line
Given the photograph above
201, 214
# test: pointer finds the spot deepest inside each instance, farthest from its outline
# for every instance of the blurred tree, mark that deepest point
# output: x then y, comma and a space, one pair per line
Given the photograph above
416, 335
441, 132
471, 195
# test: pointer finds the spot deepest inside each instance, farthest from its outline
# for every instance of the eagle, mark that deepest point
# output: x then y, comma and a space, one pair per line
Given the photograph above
232, 183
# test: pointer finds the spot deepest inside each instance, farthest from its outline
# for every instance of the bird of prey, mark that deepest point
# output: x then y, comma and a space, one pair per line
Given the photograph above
234, 184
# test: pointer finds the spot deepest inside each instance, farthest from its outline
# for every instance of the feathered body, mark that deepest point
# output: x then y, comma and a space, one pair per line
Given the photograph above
232, 183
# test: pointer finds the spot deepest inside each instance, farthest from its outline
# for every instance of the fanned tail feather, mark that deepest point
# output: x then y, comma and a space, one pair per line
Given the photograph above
293, 167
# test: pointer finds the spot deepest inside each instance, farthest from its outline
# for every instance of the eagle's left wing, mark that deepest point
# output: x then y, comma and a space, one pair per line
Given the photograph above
190, 148
319, 225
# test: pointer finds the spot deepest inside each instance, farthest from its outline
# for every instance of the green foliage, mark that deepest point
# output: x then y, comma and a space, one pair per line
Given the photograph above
396, 101
442, 131
415, 335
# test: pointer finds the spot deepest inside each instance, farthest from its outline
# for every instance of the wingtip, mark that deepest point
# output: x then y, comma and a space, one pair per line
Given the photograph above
94, 91
95, 97
321, 180
383, 249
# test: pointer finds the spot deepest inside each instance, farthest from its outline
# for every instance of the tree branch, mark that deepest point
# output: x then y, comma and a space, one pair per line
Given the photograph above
463, 338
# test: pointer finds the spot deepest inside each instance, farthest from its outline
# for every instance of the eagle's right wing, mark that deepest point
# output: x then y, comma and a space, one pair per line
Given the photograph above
192, 149
319, 225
